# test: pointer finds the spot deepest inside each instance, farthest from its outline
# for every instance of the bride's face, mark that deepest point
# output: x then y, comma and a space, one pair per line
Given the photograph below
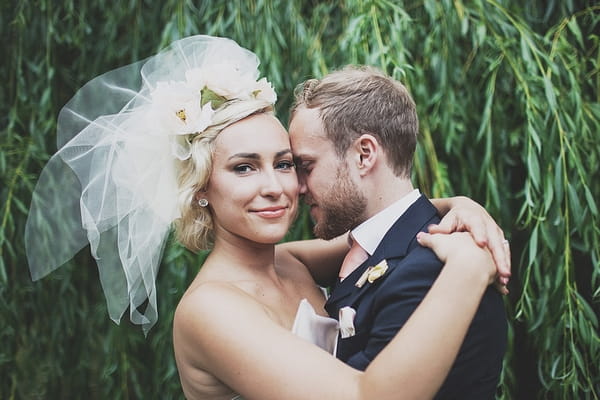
253, 188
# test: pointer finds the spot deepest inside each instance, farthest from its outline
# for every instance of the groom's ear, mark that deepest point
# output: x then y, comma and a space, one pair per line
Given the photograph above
367, 148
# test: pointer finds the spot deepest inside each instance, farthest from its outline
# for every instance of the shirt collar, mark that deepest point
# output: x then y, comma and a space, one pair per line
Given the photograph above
371, 232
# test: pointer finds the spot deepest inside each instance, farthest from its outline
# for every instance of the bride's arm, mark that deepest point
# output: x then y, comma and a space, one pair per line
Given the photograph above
465, 269
226, 332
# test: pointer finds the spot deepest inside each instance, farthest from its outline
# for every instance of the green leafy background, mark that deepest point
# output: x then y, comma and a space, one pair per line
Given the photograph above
508, 97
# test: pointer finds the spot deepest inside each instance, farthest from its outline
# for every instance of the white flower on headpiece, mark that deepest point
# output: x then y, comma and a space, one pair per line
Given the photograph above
182, 105
265, 91
226, 80
186, 108
178, 110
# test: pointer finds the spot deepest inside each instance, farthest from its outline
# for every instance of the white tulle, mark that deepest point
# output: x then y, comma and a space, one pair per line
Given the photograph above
112, 182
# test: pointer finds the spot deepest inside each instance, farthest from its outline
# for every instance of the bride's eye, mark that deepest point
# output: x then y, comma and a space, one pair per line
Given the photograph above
285, 164
243, 168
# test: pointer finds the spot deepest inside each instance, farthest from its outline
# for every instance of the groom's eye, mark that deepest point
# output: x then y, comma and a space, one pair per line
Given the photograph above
304, 167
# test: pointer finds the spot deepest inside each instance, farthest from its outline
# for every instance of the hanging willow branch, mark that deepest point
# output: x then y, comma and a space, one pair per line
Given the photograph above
508, 96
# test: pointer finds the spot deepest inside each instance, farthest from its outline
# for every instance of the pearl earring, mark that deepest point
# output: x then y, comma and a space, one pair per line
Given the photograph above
202, 202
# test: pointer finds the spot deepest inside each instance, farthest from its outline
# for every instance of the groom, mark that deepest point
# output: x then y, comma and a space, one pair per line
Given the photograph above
358, 128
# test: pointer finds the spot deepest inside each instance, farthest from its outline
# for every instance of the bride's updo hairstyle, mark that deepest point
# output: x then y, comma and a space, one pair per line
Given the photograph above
194, 229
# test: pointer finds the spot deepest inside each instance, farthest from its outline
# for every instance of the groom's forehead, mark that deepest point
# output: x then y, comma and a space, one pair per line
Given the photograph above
309, 143
306, 119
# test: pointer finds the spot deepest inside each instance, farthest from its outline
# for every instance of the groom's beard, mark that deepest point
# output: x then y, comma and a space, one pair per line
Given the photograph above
342, 208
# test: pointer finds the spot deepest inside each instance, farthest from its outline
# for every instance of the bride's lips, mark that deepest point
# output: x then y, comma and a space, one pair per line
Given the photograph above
271, 212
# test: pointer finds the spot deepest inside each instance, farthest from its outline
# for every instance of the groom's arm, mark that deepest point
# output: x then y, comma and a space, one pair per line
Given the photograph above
322, 258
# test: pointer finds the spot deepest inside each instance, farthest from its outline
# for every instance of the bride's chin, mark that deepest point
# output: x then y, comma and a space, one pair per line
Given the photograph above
271, 238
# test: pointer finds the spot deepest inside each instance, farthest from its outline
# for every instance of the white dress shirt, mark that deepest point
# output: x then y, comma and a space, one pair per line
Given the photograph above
370, 233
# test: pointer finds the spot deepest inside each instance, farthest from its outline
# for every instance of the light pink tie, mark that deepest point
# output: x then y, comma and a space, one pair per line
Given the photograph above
356, 256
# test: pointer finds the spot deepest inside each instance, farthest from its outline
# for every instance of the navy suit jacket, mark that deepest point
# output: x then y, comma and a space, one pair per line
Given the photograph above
382, 308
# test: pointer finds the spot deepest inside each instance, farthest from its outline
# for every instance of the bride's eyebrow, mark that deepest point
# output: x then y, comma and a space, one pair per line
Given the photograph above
256, 156
283, 153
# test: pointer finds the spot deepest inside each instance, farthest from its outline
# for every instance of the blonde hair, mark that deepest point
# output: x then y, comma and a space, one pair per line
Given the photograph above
194, 229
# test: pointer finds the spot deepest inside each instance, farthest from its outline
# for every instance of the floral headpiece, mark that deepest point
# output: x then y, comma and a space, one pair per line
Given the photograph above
113, 181
186, 108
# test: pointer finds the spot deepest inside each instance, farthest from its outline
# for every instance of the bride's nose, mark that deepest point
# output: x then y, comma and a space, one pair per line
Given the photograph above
271, 183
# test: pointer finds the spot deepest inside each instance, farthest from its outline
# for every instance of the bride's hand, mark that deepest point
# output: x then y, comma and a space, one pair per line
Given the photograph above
460, 248
467, 215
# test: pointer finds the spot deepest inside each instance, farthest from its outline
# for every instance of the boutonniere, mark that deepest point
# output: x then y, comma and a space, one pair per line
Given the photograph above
346, 322
371, 274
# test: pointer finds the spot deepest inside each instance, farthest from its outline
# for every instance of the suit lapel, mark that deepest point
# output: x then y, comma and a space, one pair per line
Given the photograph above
341, 290
402, 235
395, 244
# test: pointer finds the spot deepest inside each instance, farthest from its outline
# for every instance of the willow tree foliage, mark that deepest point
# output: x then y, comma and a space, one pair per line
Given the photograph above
508, 95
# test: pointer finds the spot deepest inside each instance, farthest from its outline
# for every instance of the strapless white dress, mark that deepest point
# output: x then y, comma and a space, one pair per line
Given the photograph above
319, 330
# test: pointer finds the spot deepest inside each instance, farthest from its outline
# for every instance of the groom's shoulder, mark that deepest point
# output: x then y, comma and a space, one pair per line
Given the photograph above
420, 266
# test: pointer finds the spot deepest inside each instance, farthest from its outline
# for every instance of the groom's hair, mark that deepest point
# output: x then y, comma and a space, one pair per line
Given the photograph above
357, 100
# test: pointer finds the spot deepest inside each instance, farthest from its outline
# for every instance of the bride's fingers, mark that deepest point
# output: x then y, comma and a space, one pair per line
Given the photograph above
461, 246
500, 287
434, 242
485, 234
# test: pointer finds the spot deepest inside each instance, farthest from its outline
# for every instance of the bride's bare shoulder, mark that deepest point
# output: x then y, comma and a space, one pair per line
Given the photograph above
208, 311
204, 314
204, 299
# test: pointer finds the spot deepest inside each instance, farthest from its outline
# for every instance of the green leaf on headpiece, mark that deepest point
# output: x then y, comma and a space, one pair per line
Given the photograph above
207, 95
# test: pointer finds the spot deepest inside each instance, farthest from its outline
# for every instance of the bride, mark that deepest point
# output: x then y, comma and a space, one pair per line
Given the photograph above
198, 146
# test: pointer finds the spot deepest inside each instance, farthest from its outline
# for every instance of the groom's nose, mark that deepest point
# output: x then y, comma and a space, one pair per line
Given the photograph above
302, 183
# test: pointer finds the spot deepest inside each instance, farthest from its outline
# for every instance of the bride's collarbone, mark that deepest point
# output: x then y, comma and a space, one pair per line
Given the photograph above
280, 302
279, 294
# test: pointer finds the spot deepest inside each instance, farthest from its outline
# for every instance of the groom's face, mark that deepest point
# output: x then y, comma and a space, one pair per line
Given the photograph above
336, 202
